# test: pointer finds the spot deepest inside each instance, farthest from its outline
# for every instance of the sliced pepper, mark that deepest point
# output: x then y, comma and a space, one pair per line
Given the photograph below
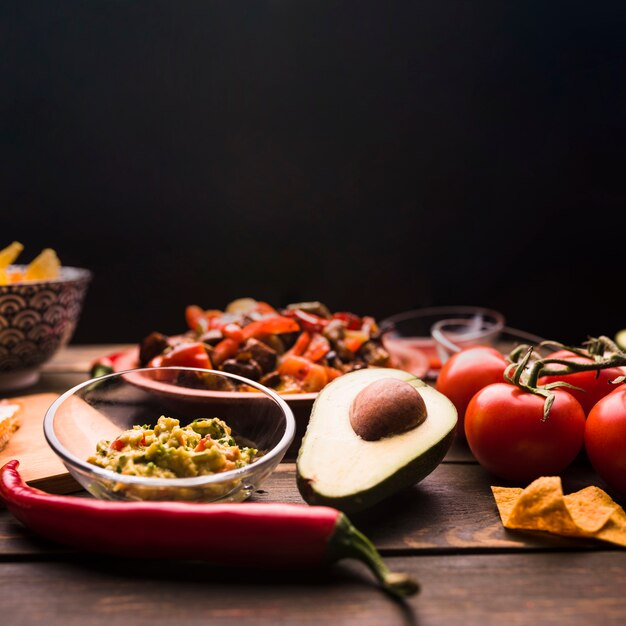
317, 349
276, 325
301, 345
184, 355
225, 349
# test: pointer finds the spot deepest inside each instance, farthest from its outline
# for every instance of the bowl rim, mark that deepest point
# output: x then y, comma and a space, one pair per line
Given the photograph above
266, 460
76, 274
388, 324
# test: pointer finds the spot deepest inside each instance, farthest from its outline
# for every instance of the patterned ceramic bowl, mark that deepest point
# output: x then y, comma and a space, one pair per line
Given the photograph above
36, 319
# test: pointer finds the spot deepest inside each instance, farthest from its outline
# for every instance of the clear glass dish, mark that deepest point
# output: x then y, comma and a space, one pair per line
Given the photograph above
408, 338
453, 335
101, 408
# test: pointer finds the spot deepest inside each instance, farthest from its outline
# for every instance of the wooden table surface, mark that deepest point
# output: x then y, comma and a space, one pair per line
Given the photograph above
445, 531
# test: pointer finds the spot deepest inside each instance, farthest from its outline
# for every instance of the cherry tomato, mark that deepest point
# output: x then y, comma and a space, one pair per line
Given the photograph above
507, 435
605, 438
595, 385
467, 372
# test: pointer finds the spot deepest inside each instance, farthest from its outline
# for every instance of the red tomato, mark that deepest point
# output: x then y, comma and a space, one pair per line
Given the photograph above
506, 433
467, 372
605, 439
595, 385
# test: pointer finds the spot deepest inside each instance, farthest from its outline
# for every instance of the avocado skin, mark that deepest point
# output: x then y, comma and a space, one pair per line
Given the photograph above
412, 473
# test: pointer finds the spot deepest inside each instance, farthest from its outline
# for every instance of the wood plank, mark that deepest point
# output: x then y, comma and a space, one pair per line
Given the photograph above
39, 465
543, 588
452, 510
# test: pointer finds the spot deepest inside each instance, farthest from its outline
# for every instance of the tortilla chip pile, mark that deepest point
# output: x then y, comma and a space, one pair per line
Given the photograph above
45, 266
589, 512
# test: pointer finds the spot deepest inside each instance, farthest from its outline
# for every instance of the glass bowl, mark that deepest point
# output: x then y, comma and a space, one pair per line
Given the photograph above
454, 335
101, 408
408, 339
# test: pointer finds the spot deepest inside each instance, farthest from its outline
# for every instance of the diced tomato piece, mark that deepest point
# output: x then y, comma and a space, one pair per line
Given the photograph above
186, 355
117, 445
354, 339
318, 348
352, 321
225, 349
275, 325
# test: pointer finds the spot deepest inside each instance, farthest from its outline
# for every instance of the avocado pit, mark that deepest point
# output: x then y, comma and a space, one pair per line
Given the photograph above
386, 407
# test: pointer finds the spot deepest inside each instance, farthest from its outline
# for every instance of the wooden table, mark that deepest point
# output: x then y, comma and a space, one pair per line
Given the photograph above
445, 531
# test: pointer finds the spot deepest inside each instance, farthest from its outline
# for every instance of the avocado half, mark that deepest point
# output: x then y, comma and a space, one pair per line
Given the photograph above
337, 468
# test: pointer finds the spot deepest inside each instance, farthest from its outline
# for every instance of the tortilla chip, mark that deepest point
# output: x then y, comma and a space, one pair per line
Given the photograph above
589, 512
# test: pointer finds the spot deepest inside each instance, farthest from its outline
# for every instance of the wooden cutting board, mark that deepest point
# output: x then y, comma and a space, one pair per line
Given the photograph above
39, 465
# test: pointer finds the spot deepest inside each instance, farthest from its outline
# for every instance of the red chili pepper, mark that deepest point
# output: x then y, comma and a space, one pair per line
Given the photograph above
276, 535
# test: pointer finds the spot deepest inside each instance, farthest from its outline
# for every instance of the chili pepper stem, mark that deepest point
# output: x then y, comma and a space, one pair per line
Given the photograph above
348, 542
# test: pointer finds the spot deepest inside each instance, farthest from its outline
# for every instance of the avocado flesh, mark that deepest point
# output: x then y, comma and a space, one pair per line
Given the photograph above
337, 468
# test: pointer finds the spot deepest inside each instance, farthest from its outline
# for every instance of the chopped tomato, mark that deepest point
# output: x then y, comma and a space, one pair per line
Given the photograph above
275, 325
117, 445
225, 349
186, 355
317, 348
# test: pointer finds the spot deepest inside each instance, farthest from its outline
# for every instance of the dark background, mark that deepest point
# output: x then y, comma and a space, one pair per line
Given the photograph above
378, 156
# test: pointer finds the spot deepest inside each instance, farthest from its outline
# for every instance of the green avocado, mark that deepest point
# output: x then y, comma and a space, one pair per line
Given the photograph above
338, 468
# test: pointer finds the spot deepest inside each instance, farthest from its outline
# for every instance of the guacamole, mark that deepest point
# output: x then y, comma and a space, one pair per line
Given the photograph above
170, 450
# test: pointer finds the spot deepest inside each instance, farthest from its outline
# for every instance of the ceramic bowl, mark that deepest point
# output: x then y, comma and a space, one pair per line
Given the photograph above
37, 318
